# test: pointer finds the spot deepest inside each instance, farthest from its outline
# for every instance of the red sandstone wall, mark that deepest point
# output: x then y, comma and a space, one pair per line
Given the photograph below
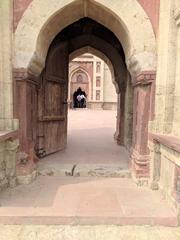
152, 9
88, 67
19, 8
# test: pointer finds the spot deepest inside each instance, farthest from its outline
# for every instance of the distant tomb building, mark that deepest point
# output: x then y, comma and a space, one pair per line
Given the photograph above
93, 76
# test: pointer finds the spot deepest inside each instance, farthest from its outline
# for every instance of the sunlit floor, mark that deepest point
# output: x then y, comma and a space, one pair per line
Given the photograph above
91, 140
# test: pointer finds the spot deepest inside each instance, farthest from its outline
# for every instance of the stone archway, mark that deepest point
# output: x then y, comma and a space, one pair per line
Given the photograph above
138, 43
99, 54
53, 18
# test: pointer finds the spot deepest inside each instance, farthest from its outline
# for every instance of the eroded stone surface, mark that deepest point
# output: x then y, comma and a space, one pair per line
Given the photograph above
55, 169
98, 170
87, 233
27, 179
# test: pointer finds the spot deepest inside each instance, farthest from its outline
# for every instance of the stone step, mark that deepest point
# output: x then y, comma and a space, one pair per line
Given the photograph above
54, 200
104, 232
83, 170
90, 220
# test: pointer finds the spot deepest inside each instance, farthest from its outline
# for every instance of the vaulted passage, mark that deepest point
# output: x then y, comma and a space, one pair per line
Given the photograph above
52, 95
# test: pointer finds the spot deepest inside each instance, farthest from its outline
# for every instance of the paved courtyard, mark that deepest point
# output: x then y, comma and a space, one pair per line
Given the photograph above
90, 140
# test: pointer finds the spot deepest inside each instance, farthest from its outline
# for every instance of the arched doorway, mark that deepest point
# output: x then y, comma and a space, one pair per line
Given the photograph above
118, 41
79, 78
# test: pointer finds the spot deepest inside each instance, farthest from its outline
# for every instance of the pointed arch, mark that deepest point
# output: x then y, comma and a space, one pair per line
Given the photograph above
37, 29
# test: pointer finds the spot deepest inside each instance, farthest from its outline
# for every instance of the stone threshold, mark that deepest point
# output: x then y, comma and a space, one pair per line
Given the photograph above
89, 220
83, 170
87, 232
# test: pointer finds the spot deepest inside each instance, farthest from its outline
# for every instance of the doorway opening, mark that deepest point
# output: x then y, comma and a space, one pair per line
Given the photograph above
85, 34
115, 36
90, 76
91, 130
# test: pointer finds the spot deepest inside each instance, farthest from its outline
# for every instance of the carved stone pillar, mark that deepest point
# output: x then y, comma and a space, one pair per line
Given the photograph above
8, 157
119, 135
155, 164
116, 135
25, 99
10, 160
3, 179
142, 111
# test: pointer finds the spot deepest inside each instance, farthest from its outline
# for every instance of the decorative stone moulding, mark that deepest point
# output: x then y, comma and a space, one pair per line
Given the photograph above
177, 17
144, 78
22, 74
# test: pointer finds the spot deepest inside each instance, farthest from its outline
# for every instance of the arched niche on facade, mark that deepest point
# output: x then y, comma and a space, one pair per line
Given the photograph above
79, 77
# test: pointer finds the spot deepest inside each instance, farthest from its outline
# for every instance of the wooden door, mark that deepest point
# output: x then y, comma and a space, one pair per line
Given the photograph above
53, 102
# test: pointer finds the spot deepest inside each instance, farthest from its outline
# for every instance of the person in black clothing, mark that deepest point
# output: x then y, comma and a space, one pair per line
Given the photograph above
83, 99
79, 98
75, 94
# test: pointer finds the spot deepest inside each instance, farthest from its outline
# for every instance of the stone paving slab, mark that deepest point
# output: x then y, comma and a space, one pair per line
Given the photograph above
105, 232
100, 170
54, 169
82, 170
82, 201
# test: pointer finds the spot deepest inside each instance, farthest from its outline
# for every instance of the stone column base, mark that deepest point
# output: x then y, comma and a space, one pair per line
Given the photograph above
140, 168
27, 179
26, 167
118, 139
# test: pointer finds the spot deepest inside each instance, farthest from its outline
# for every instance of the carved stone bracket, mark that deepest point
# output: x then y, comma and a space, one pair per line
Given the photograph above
22, 74
177, 17
144, 78
141, 62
